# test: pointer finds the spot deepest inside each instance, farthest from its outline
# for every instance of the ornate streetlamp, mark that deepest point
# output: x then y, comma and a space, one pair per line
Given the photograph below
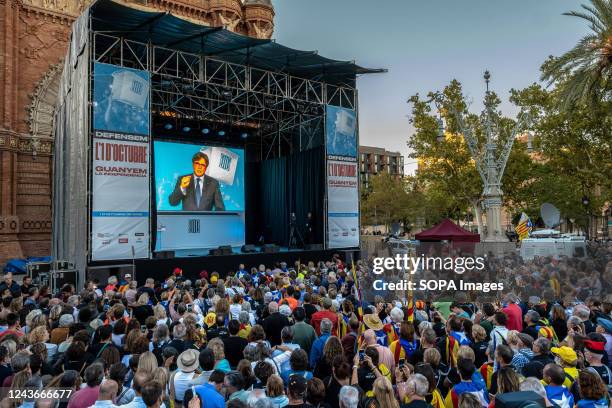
491, 162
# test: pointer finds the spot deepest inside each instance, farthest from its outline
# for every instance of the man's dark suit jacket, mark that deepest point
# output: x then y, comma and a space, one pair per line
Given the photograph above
211, 195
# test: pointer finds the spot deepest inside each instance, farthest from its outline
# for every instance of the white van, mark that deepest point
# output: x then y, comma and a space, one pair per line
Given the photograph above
554, 245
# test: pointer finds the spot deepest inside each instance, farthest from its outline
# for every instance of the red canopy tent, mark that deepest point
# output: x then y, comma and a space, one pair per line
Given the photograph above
447, 231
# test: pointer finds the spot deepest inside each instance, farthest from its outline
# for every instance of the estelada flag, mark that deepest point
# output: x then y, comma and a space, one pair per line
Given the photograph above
524, 227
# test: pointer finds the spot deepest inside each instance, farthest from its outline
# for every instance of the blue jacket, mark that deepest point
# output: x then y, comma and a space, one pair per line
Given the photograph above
209, 396
317, 349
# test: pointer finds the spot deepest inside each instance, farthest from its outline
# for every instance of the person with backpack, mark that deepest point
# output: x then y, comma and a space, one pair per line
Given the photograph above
499, 334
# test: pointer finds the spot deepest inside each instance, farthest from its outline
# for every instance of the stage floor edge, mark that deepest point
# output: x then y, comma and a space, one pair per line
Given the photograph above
160, 269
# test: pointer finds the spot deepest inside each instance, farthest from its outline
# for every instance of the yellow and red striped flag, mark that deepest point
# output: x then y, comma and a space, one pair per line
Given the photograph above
524, 227
358, 290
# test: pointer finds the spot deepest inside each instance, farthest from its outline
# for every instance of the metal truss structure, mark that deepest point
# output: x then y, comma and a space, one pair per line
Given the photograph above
287, 112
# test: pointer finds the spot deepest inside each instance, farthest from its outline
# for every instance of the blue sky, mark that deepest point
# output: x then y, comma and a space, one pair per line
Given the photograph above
426, 43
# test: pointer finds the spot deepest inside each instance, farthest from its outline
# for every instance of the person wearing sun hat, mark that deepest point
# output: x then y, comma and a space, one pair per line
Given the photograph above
567, 358
604, 327
180, 380
372, 321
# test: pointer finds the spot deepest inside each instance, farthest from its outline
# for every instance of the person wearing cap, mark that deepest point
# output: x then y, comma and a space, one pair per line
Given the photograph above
568, 359
326, 313
604, 327
188, 363
594, 350
296, 391
531, 321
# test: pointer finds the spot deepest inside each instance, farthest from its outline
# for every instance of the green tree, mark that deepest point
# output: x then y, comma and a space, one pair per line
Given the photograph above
584, 73
573, 151
447, 173
385, 202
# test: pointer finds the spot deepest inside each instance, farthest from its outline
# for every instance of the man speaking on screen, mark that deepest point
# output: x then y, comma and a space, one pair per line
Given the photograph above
197, 191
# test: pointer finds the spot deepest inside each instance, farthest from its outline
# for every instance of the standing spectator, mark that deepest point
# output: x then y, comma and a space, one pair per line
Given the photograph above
303, 333
210, 395
341, 376
87, 396
326, 313
234, 344
107, 394
274, 323
514, 313
531, 321
417, 388
152, 394
317, 348
181, 379
559, 321
349, 397
593, 392
556, 392
276, 391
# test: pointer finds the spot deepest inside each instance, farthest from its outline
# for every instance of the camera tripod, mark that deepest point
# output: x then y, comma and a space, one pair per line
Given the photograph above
295, 236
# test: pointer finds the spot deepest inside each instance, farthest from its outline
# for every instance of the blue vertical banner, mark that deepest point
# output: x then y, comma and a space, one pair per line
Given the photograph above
342, 178
120, 163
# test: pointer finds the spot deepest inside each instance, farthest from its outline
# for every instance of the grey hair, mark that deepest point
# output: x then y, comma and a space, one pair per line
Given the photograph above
287, 333
419, 384
574, 321
349, 397
533, 384
246, 306
425, 325
179, 331
273, 307
258, 399
583, 313
244, 317
397, 315
326, 326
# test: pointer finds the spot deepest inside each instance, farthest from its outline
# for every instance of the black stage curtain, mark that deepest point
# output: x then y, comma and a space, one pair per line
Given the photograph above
292, 184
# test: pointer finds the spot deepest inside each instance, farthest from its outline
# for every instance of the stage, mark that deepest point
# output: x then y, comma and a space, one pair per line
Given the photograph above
164, 147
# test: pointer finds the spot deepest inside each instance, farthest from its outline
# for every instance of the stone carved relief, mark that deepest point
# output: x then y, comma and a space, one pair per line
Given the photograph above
71, 7
40, 111
229, 23
265, 31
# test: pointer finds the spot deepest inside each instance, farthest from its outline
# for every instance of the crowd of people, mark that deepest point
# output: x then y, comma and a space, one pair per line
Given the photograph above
306, 336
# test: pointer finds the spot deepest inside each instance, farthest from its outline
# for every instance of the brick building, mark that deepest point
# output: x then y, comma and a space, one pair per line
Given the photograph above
33, 42
374, 160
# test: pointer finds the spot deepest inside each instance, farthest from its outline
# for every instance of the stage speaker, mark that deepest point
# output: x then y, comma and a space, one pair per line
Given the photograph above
226, 250
248, 249
313, 247
350, 256
270, 249
165, 255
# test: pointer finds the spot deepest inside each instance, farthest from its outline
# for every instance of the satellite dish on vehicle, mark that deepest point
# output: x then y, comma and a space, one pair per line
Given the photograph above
550, 214
395, 228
